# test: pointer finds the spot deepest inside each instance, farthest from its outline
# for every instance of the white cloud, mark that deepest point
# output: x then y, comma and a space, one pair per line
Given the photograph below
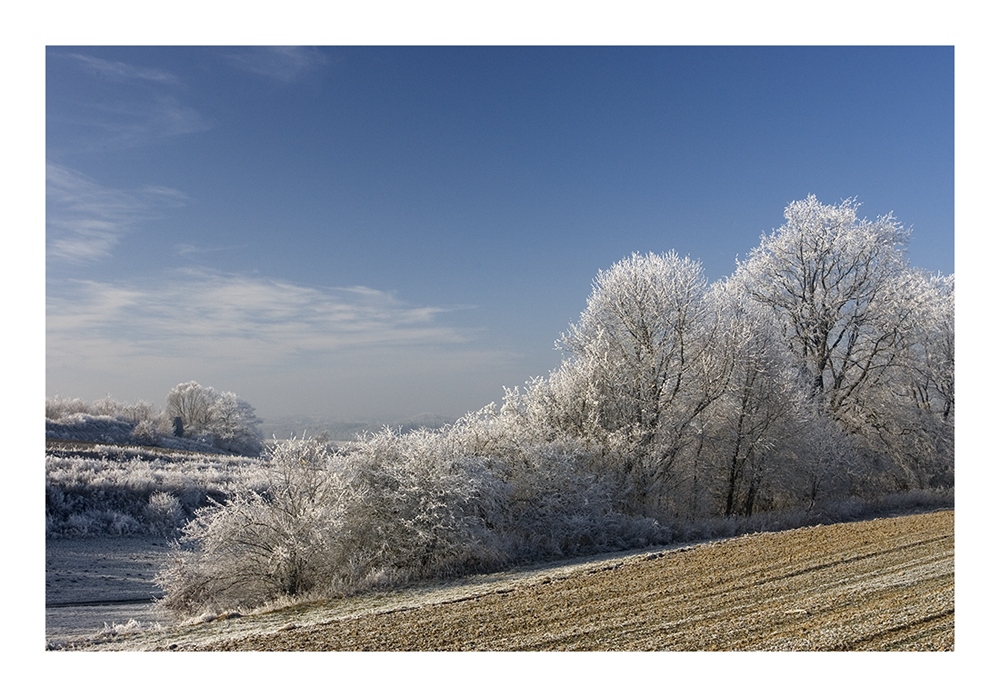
85, 220
185, 249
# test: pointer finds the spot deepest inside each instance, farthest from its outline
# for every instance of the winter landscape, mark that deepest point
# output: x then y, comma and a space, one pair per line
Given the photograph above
745, 441
814, 385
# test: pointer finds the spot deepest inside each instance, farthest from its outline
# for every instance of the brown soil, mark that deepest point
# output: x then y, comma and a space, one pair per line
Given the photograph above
886, 584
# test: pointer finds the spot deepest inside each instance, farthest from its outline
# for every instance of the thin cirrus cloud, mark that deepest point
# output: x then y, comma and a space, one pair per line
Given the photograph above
85, 220
207, 316
147, 105
134, 123
189, 250
116, 70
281, 63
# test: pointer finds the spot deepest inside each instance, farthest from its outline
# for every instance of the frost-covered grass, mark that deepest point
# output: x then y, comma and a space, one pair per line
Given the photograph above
115, 490
109, 430
833, 511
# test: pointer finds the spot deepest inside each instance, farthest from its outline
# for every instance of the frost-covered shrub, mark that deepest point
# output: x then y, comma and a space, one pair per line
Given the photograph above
118, 523
558, 502
57, 408
394, 508
334, 524
146, 433
257, 546
164, 512
421, 505
103, 522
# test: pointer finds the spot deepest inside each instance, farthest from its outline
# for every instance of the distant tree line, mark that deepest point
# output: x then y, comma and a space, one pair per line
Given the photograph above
193, 415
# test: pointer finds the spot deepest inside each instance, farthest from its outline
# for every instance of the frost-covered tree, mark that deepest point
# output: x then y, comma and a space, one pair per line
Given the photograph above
834, 280
234, 424
854, 316
749, 432
640, 370
228, 421
909, 417
934, 361
192, 403
641, 336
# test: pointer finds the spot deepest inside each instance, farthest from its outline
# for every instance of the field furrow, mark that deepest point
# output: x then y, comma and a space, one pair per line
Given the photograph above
885, 584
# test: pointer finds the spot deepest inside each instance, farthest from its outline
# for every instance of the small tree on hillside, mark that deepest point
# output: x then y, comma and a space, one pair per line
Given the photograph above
234, 424
228, 421
192, 403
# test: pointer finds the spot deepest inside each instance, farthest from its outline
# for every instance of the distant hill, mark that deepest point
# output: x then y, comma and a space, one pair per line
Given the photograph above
88, 428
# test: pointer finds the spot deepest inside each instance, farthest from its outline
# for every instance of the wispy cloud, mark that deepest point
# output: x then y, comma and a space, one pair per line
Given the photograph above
116, 70
133, 123
281, 63
188, 250
290, 348
210, 315
85, 220
119, 105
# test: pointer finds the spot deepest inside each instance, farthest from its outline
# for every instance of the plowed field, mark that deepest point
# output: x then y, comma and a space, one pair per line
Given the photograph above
885, 584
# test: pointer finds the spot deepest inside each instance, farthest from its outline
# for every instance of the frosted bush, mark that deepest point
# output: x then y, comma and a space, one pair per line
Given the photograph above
120, 523
254, 547
80, 524
59, 408
389, 511
397, 508
146, 433
164, 512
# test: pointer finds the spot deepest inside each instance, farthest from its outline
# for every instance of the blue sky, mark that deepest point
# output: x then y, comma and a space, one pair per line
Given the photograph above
388, 231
